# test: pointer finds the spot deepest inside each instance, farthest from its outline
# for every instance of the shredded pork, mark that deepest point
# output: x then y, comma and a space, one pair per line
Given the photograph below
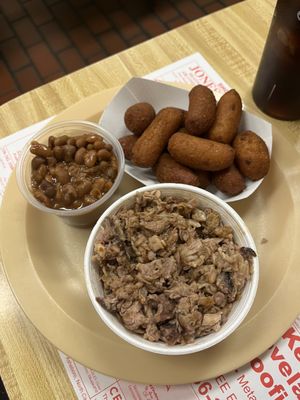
170, 270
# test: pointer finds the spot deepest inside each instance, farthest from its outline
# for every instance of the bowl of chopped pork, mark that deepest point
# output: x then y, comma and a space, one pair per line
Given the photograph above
171, 269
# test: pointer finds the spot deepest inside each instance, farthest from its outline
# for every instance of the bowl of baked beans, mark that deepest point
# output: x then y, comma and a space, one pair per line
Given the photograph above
71, 169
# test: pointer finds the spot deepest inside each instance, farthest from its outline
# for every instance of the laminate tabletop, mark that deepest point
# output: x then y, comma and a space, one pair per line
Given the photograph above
232, 41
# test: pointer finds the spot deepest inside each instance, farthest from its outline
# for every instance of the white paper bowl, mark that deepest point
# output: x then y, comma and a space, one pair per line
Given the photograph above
240, 308
79, 217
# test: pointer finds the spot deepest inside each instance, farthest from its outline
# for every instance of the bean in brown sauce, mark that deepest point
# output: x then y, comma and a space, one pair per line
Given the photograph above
51, 140
37, 161
60, 140
81, 141
71, 141
69, 152
79, 155
72, 172
58, 153
61, 174
104, 155
51, 161
90, 158
40, 150
98, 144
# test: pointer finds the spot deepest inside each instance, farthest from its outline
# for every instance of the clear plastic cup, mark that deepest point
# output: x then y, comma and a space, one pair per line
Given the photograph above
84, 216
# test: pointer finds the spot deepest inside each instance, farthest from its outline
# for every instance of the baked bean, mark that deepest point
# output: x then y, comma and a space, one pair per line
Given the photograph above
90, 158
96, 193
88, 199
108, 147
91, 138
58, 153
62, 174
51, 161
111, 172
107, 186
69, 151
72, 172
49, 178
79, 155
36, 178
104, 155
98, 144
40, 150
81, 141
103, 166
51, 140
42, 170
61, 140
47, 188
99, 184
37, 161
93, 171
83, 188
69, 194
40, 196
72, 141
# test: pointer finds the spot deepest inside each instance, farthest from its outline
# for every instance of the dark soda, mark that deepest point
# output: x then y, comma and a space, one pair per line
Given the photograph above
276, 89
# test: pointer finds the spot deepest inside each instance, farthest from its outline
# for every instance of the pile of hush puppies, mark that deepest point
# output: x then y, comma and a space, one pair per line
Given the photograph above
200, 146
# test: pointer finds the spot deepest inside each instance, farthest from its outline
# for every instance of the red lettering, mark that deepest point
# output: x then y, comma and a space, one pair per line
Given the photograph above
285, 369
225, 386
232, 397
204, 387
297, 353
278, 389
220, 379
206, 79
274, 355
289, 334
198, 71
222, 383
293, 378
267, 380
113, 390
246, 389
117, 397
296, 390
257, 365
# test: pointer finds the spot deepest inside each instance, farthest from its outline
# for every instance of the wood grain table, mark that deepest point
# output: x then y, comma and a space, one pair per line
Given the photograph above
231, 40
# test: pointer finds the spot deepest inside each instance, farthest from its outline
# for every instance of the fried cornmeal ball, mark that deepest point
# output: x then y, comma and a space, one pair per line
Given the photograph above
252, 155
138, 117
229, 181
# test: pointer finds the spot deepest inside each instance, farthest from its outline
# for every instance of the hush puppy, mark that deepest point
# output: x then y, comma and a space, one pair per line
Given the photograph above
204, 178
228, 116
229, 181
251, 155
202, 110
138, 117
168, 170
151, 144
127, 143
199, 153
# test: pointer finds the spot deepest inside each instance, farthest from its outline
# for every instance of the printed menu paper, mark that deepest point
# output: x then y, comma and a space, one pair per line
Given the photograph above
274, 375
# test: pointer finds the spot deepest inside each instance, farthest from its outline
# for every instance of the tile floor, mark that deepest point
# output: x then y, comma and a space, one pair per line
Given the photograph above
42, 40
